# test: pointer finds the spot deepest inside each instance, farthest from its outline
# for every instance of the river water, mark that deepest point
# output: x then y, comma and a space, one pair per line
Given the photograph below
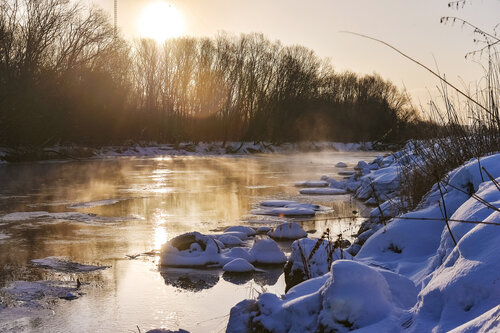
102, 211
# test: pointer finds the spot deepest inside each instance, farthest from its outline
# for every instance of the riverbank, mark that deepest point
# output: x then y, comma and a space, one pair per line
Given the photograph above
433, 269
152, 149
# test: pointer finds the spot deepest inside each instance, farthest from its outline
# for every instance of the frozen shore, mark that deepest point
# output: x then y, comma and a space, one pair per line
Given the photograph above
407, 274
152, 149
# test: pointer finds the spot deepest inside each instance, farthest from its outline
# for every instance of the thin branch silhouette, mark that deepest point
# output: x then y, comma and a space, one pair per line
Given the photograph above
423, 66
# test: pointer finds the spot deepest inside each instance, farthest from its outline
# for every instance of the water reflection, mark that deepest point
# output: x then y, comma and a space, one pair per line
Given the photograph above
266, 276
158, 200
196, 280
190, 279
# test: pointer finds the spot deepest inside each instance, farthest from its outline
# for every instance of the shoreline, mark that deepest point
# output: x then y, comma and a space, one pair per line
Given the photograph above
406, 273
152, 149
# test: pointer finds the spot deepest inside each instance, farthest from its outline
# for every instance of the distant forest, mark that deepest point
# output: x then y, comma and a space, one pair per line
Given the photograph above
66, 77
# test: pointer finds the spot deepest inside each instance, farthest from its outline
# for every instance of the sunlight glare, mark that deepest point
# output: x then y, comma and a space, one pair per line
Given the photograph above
160, 21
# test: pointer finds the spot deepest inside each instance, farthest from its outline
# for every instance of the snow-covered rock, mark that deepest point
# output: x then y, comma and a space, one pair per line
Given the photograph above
288, 230
351, 296
409, 275
266, 251
263, 230
311, 258
238, 265
240, 228
229, 240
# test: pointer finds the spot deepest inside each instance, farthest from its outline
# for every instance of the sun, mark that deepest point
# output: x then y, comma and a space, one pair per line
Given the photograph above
160, 21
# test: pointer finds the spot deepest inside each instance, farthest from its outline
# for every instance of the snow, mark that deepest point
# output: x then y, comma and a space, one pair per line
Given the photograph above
323, 191
219, 148
61, 264
87, 218
263, 230
288, 230
38, 293
91, 204
318, 255
266, 251
240, 228
236, 253
286, 211
229, 240
197, 250
487, 322
355, 296
286, 208
409, 274
4, 236
238, 265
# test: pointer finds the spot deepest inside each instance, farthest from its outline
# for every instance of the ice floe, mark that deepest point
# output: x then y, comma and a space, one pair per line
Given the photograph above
312, 183
61, 264
346, 173
323, 191
286, 208
64, 216
97, 203
38, 293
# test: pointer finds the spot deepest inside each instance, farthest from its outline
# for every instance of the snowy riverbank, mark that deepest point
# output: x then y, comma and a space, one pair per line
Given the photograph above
409, 276
152, 149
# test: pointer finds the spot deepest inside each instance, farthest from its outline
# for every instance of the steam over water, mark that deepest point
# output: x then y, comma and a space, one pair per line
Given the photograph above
100, 211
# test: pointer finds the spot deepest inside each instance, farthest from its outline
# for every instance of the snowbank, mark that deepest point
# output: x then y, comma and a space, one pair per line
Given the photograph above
311, 258
219, 148
409, 275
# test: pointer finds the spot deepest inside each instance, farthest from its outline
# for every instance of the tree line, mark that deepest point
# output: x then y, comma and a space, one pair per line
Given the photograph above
65, 77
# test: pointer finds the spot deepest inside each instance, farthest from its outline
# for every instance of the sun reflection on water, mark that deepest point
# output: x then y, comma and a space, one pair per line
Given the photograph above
160, 233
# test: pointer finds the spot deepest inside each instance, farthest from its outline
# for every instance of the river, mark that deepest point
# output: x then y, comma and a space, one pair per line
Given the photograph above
101, 211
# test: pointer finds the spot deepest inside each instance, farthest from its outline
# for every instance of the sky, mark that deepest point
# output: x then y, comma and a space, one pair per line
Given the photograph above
413, 26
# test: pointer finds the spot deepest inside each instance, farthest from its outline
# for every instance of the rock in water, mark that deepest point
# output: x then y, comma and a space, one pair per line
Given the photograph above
288, 230
238, 265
